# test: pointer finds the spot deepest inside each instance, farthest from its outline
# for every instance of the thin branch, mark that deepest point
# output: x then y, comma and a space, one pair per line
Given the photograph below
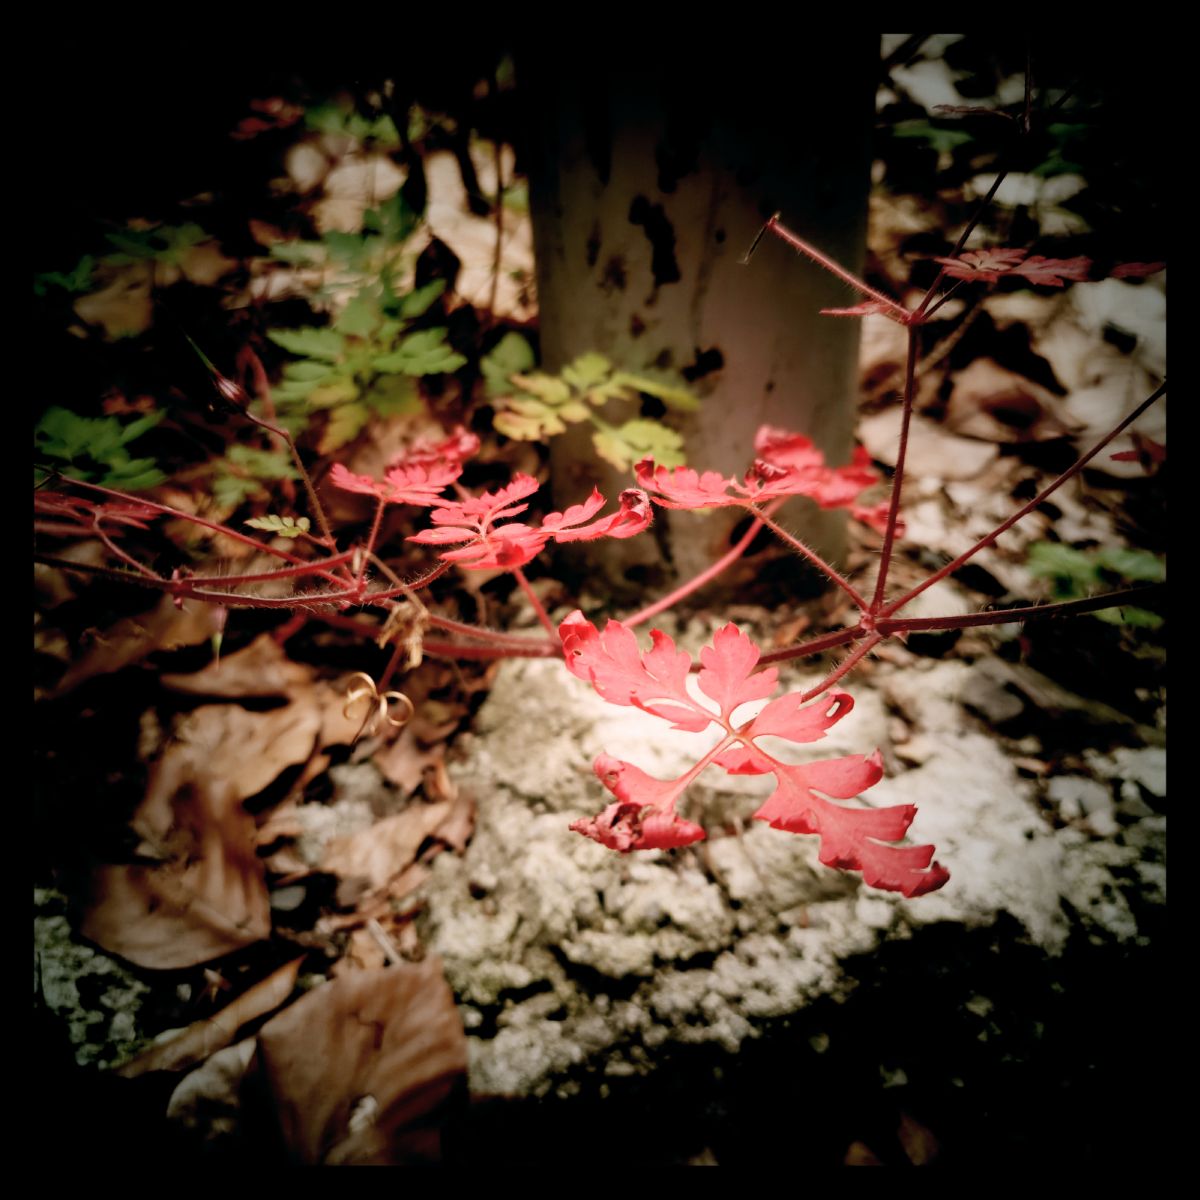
811, 555
893, 605
823, 260
848, 664
817, 645
542, 614
1004, 616
889, 536
709, 573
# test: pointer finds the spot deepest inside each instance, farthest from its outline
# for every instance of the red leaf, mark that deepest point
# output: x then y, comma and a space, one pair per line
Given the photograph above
788, 465
457, 448
986, 265
1137, 270
1053, 271
876, 516
410, 483
989, 265
851, 837
726, 676
682, 487
633, 516
644, 815
612, 663
471, 520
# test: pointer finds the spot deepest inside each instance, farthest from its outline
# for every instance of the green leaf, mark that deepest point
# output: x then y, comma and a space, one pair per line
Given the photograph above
345, 424
512, 355
360, 317
308, 372
633, 441
393, 396
78, 279
1136, 565
587, 371
942, 139
547, 388
346, 247
325, 344
339, 390
527, 428
1137, 618
395, 220
288, 527
301, 253
423, 353
416, 303
676, 398
265, 464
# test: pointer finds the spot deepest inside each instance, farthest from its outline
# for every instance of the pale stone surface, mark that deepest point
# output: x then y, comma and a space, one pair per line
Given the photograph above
582, 955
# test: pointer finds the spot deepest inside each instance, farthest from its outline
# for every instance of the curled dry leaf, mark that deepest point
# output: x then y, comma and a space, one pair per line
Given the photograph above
205, 896
391, 1035
202, 1038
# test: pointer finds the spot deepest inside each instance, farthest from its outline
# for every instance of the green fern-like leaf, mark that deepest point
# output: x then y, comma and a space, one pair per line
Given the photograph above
288, 527
637, 439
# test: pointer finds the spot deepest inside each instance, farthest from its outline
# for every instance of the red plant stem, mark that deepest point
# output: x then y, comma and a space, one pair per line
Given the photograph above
290, 627
848, 664
822, 260
370, 546
1002, 616
457, 650
709, 573
174, 512
237, 600
313, 500
515, 640
818, 645
282, 573
115, 550
390, 669
542, 615
1074, 469
404, 589
945, 296
812, 556
889, 536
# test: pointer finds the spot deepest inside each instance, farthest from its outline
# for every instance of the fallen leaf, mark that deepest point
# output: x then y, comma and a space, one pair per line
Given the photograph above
261, 669
932, 453
356, 1061
206, 895
918, 1142
208, 1099
403, 761
164, 627
997, 405
387, 847
202, 1038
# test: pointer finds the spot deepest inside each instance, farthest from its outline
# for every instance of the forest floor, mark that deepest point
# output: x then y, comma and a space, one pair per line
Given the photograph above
228, 878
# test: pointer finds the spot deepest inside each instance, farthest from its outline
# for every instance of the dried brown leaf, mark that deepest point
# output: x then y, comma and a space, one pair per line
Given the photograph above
354, 1062
261, 669
994, 404
206, 896
403, 761
387, 847
214, 1033
165, 627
